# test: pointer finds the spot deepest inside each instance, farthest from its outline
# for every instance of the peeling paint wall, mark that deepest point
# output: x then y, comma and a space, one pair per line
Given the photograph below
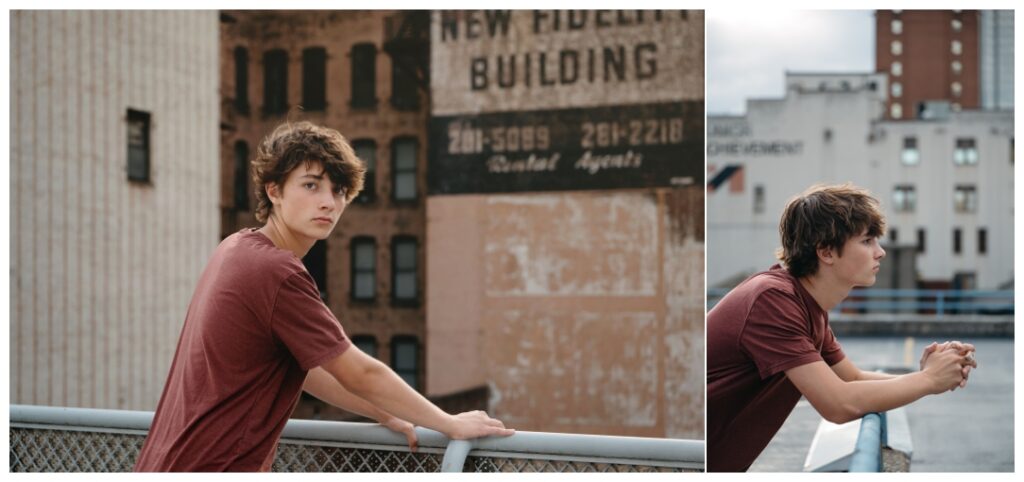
582, 311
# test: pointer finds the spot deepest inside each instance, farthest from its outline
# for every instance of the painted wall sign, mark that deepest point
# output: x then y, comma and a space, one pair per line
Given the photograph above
559, 100
564, 149
503, 60
756, 148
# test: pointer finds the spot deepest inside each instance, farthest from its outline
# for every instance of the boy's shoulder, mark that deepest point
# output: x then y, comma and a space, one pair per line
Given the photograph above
254, 253
775, 278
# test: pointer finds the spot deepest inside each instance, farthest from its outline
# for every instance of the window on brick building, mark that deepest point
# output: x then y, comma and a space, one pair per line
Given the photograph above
314, 78
364, 268
366, 149
241, 176
896, 111
366, 344
316, 263
275, 81
242, 80
404, 92
896, 47
896, 26
364, 75
138, 145
896, 69
956, 47
404, 270
897, 90
405, 354
403, 169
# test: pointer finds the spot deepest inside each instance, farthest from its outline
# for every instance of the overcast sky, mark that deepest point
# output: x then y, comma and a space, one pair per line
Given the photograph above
748, 51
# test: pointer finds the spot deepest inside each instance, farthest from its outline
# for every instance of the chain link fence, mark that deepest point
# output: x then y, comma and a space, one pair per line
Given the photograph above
83, 440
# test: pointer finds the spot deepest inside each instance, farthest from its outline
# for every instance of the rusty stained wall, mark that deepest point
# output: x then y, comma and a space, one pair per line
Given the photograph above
582, 311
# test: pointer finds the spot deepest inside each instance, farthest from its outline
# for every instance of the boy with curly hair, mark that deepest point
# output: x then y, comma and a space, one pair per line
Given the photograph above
257, 333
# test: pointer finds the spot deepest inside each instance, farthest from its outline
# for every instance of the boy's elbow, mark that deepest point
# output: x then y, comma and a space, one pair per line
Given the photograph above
839, 412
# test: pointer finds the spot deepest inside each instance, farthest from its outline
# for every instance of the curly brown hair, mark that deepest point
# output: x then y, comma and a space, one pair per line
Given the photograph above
825, 216
294, 143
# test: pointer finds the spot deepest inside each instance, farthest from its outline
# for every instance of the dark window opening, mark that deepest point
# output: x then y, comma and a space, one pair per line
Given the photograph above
957, 235
314, 78
366, 344
316, 263
893, 235
364, 268
364, 75
982, 241
275, 81
404, 92
920, 240
758, 198
405, 359
403, 169
242, 80
241, 176
138, 145
366, 149
404, 270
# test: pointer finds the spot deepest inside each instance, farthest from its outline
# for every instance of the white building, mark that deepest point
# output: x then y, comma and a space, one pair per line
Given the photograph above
935, 178
114, 168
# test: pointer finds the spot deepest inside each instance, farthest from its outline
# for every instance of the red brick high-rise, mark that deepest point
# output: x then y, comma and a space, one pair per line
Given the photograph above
930, 55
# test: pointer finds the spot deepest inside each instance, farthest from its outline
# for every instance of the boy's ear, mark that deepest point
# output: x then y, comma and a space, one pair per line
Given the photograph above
826, 255
273, 192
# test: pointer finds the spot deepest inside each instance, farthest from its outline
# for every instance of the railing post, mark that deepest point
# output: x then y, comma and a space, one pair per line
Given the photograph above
455, 455
867, 456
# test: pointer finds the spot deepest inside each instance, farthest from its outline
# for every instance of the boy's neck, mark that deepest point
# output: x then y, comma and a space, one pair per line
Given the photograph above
824, 289
283, 239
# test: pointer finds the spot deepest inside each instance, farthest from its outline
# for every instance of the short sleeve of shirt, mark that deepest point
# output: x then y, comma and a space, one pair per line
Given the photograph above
831, 350
777, 335
305, 325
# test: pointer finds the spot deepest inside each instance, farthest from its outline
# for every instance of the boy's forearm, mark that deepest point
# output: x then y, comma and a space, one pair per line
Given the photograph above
388, 392
882, 394
322, 385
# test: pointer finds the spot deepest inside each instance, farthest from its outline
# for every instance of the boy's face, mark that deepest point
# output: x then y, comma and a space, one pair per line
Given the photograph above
860, 261
308, 203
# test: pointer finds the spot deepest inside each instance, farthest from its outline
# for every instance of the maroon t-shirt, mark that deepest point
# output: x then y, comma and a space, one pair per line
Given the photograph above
763, 327
254, 328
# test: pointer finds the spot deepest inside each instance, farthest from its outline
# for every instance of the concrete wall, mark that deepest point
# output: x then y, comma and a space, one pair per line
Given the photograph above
102, 269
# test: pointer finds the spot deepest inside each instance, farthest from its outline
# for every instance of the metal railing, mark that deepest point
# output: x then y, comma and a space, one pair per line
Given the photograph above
867, 454
938, 302
56, 439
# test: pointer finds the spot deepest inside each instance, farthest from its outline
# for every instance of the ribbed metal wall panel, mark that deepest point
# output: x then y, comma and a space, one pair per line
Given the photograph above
102, 269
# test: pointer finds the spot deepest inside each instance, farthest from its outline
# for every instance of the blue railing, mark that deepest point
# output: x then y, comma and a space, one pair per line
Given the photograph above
867, 456
937, 302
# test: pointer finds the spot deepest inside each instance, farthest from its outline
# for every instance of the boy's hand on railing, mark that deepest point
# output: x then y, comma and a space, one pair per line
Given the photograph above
405, 428
476, 424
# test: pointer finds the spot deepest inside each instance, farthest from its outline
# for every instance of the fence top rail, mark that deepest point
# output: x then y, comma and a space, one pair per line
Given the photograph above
655, 450
924, 293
